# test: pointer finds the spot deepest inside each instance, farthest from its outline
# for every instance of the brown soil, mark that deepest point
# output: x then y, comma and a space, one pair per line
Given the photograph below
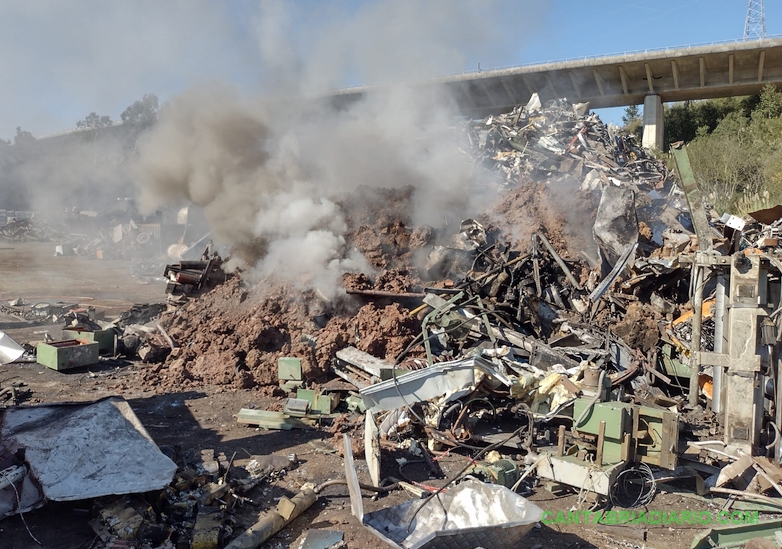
558, 209
638, 328
383, 332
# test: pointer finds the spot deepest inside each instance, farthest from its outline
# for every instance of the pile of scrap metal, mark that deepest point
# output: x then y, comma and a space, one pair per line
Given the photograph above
125, 239
534, 142
38, 312
596, 380
87, 339
139, 334
195, 509
188, 279
135, 491
30, 230
116, 232
14, 393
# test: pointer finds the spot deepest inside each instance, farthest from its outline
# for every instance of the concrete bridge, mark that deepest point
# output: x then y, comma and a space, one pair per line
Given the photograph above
651, 78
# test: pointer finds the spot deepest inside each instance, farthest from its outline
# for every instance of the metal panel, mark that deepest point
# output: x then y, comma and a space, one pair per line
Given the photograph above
572, 471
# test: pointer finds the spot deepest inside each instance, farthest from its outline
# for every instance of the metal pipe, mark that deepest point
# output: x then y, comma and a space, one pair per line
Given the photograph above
697, 322
272, 522
719, 322
559, 261
777, 406
384, 293
561, 441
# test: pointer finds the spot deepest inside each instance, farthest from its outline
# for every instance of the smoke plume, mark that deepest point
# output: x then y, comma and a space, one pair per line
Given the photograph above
266, 171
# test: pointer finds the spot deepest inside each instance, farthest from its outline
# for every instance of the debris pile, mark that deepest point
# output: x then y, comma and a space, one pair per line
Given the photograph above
598, 331
188, 279
196, 508
555, 142
30, 230
534, 339
39, 312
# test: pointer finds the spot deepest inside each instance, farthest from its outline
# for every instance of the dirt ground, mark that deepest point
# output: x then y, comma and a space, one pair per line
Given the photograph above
199, 417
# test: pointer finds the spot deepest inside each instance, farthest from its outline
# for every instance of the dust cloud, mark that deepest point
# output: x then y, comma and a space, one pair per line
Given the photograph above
266, 171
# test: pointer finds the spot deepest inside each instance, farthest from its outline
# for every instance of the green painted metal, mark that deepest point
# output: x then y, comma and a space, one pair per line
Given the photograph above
355, 404
67, 354
439, 317
323, 403
693, 194
289, 369
105, 338
617, 416
736, 535
653, 433
671, 366
618, 419
269, 419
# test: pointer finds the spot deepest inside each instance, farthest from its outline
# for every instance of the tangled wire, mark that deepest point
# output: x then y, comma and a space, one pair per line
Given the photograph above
634, 487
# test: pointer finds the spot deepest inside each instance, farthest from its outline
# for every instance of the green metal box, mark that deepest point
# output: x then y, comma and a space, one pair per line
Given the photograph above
618, 418
67, 354
105, 338
289, 369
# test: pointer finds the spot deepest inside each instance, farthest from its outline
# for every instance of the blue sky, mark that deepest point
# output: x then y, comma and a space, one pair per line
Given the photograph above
62, 60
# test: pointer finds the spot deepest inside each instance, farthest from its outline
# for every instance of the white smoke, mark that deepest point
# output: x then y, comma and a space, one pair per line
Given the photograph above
267, 171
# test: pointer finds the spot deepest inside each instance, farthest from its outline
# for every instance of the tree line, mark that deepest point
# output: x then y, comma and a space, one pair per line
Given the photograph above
734, 144
82, 169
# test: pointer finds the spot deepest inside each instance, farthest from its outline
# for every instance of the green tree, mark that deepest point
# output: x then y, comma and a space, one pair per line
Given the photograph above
94, 121
23, 138
633, 124
683, 121
632, 113
736, 148
141, 114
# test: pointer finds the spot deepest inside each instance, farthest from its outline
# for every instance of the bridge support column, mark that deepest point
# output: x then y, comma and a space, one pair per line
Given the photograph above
653, 123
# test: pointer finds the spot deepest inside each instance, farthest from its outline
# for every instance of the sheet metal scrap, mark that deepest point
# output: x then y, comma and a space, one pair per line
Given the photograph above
63, 449
554, 140
471, 514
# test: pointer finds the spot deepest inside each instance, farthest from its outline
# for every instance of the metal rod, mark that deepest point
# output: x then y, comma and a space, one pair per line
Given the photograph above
719, 320
559, 261
697, 323
536, 266
561, 441
383, 293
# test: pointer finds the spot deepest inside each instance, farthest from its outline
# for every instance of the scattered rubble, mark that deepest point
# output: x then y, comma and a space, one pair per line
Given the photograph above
599, 331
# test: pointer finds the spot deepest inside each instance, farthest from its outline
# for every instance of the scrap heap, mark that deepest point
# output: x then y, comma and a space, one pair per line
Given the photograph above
589, 331
27, 230
575, 352
568, 350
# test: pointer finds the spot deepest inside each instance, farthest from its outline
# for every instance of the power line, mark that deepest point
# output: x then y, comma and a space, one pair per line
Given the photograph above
755, 25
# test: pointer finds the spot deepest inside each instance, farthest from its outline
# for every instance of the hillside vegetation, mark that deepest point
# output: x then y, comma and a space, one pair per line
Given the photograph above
735, 147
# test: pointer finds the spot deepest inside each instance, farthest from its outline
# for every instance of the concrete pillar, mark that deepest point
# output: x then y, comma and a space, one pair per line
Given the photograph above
653, 123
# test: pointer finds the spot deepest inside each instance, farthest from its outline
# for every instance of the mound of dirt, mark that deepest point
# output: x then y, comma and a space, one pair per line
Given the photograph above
559, 210
234, 335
